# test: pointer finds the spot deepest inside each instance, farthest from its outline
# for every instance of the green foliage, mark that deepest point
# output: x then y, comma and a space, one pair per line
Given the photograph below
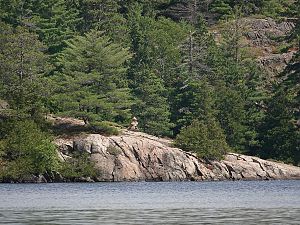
16, 12
151, 108
271, 8
92, 84
221, 7
94, 52
97, 14
195, 51
194, 101
279, 132
279, 136
104, 127
241, 89
27, 150
55, 22
105, 60
156, 44
103, 15
274, 8
22, 66
205, 138
78, 166
231, 114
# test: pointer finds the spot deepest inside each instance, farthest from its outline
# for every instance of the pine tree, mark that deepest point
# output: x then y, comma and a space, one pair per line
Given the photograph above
16, 13
232, 116
279, 136
221, 7
156, 44
151, 107
194, 101
273, 8
53, 20
92, 83
156, 47
55, 23
291, 74
22, 68
240, 91
195, 51
280, 133
104, 15
204, 137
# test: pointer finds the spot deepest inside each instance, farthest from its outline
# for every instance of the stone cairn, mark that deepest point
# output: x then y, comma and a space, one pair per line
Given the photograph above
133, 125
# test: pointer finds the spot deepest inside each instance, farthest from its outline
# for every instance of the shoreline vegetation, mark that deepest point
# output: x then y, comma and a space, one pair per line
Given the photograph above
211, 87
82, 156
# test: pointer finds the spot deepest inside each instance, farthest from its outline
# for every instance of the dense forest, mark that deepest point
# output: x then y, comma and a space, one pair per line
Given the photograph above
105, 61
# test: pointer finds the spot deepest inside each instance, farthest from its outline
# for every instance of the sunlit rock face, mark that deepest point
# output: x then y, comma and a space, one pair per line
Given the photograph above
135, 156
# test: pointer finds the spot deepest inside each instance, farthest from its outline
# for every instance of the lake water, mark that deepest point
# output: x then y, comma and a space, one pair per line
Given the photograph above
251, 202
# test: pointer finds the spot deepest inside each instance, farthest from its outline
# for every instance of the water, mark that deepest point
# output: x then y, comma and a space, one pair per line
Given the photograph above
252, 202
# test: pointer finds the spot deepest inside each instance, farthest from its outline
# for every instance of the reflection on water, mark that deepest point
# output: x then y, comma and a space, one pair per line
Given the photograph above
271, 202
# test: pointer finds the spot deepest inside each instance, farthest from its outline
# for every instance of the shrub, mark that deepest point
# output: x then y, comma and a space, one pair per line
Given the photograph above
27, 150
78, 166
106, 128
206, 138
283, 48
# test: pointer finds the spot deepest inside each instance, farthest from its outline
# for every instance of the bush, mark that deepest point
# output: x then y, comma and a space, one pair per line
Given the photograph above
78, 166
26, 150
206, 138
105, 128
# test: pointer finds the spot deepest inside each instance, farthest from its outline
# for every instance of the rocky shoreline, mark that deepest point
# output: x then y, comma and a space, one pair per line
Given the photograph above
135, 156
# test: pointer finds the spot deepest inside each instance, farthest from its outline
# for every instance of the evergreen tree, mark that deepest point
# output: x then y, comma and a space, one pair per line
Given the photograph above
240, 94
104, 15
51, 19
16, 13
55, 23
156, 44
280, 133
221, 7
195, 51
27, 150
194, 101
23, 65
279, 136
274, 8
152, 107
205, 138
97, 14
92, 83
232, 116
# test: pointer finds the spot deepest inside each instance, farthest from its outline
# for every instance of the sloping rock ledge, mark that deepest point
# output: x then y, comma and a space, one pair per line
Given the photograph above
135, 156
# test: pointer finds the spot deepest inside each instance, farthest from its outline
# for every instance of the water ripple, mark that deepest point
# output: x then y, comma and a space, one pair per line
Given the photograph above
272, 202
